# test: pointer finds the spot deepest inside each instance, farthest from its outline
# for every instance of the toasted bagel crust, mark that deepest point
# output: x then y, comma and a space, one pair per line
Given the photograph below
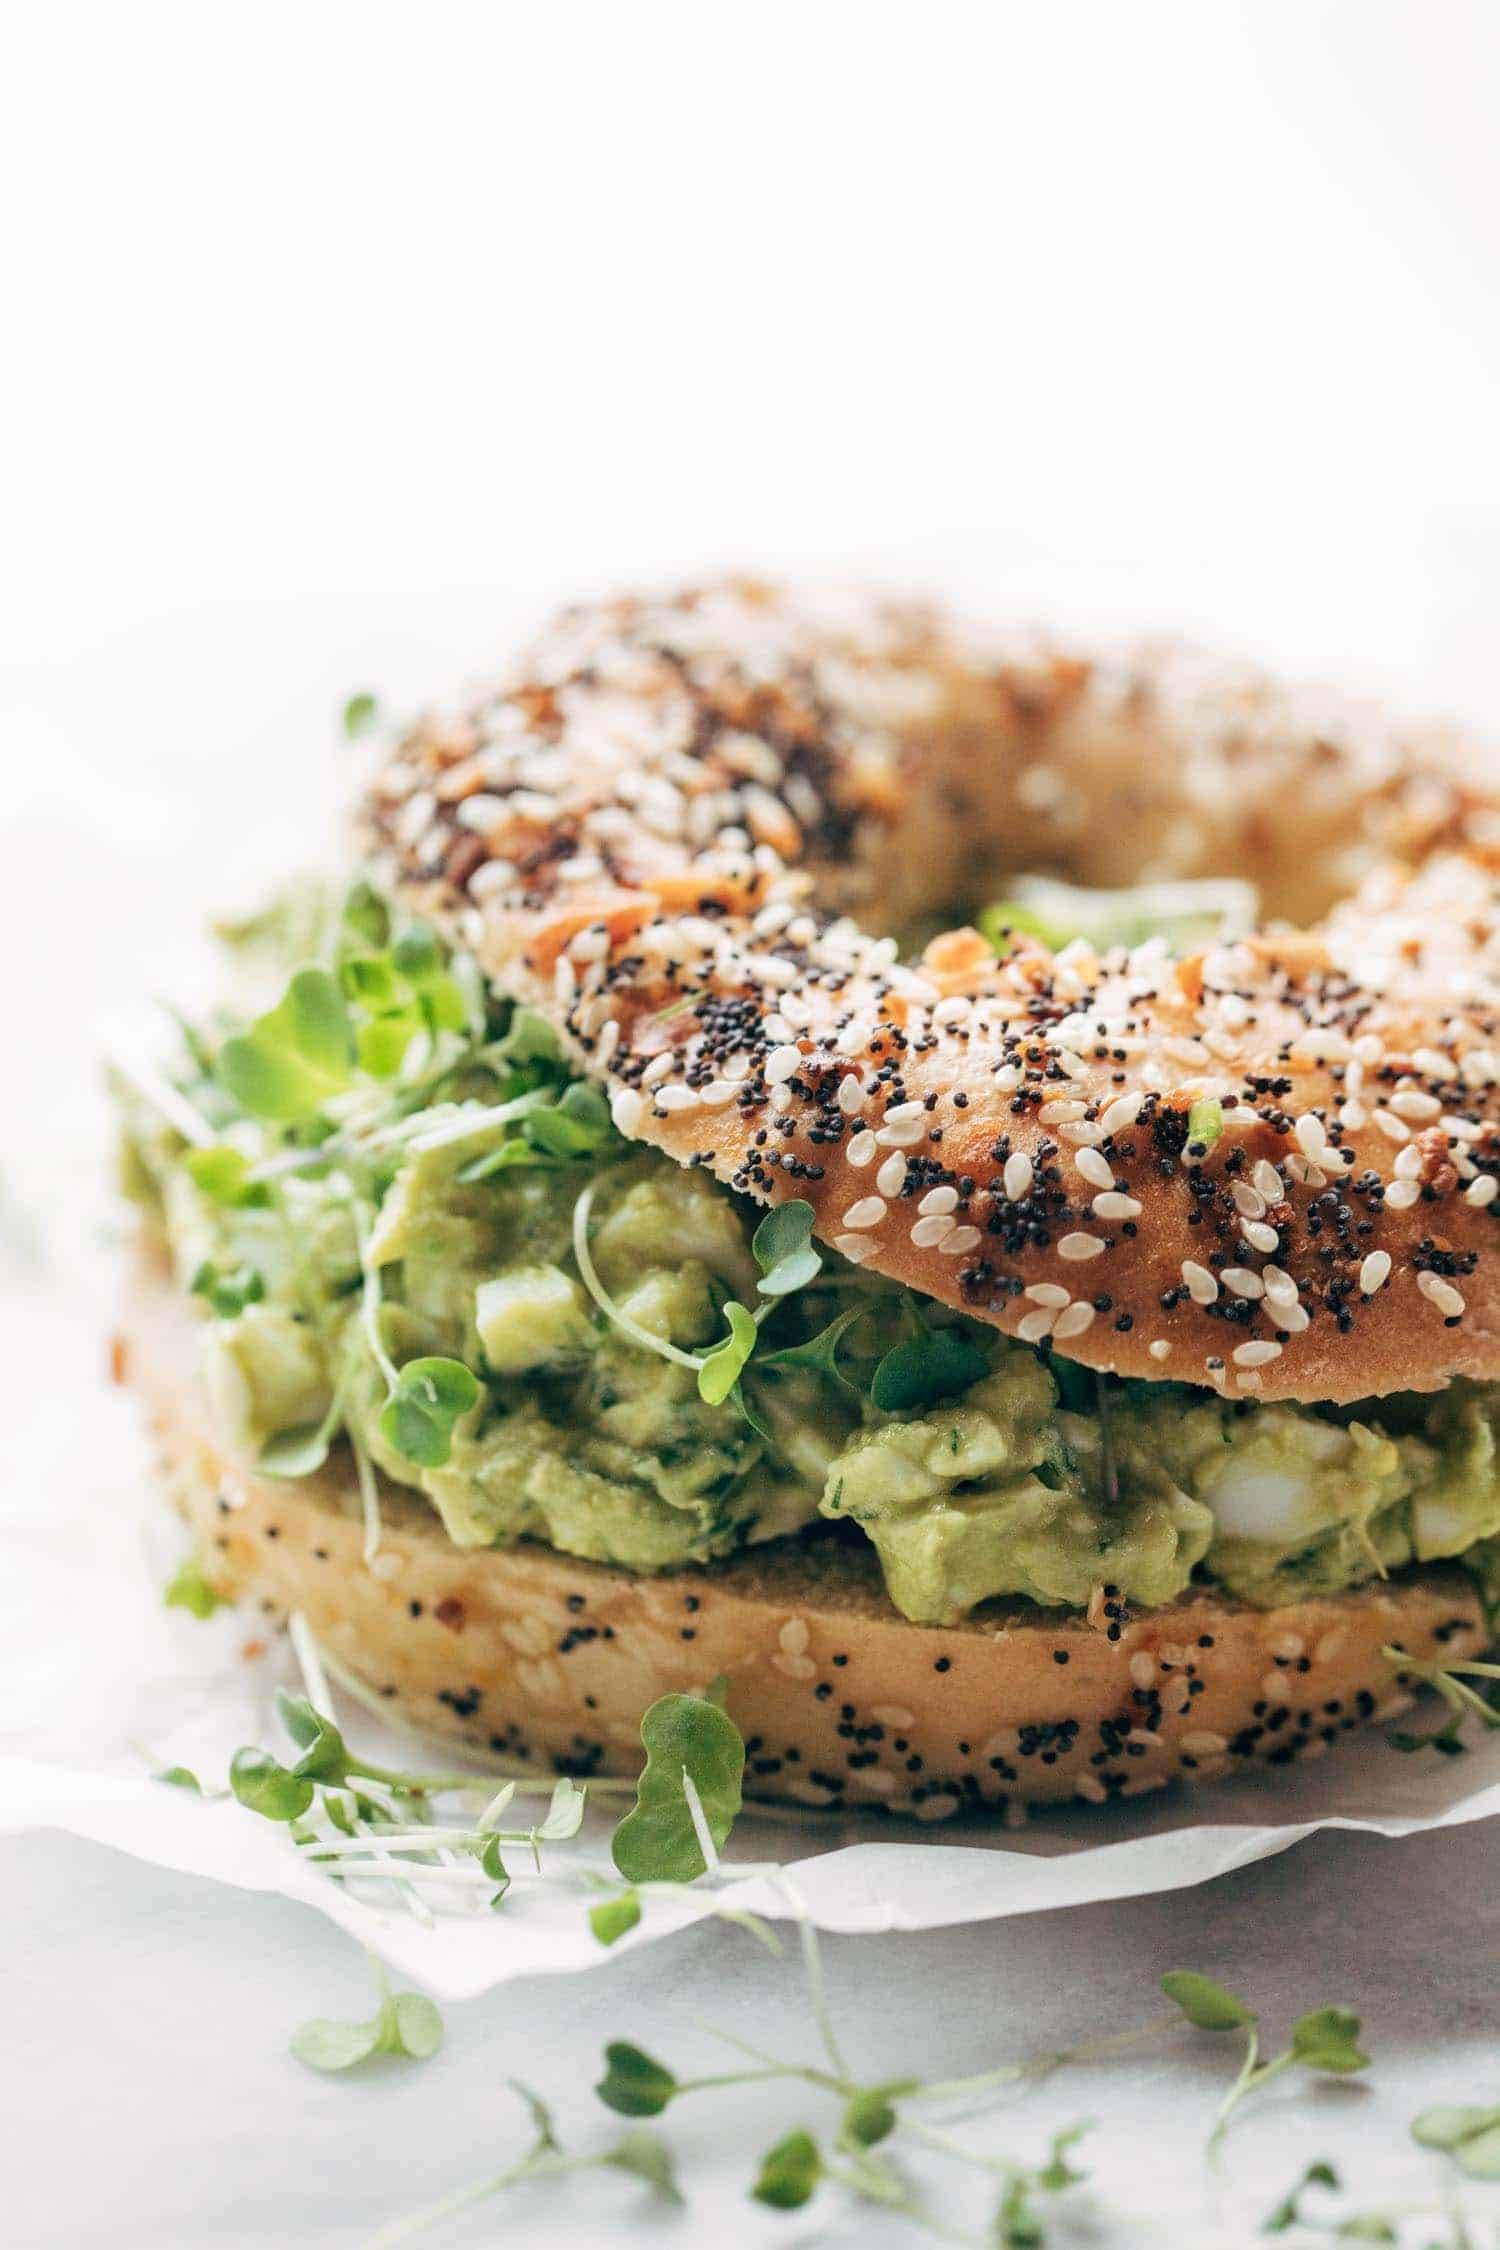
649, 834
535, 1656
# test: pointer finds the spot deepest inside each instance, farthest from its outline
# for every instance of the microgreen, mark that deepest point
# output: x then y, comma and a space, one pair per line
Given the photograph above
227, 1290
429, 1397
296, 1056
685, 1739
360, 714
819, 1355
188, 1589
639, 2152
404, 2024
1451, 1681
221, 1174
935, 1365
789, 2172
721, 1368
782, 1248
180, 1777
635, 2084
1288, 2212
1470, 2136
612, 1918
1325, 2039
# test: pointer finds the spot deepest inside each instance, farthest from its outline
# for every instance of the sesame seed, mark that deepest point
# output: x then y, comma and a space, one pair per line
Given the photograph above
1017, 1177
1076, 1247
1311, 1137
1048, 1293
851, 1094
1143, 1668
1420, 1108
861, 1150
1035, 1327
1392, 1127
1060, 1113
1442, 1294
1482, 1192
1248, 1201
1375, 1272
1121, 1113
1093, 1168
1074, 1321
1241, 1282
1111, 1205
891, 1177
1160, 1348
960, 1239
780, 1064
1261, 1237
1201, 1285
1258, 1354
938, 1200
868, 1211
855, 1247
928, 1233
627, 1109
1401, 1195
1266, 1180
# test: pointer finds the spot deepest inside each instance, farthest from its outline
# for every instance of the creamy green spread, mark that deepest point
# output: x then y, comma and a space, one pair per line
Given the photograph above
390, 1177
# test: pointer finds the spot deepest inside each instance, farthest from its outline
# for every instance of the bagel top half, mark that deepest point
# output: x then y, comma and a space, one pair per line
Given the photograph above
679, 828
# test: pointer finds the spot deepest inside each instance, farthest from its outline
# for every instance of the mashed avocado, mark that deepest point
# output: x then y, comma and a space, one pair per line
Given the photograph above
425, 1210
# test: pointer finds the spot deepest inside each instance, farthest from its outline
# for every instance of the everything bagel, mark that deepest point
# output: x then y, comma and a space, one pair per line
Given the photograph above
1133, 1300
647, 826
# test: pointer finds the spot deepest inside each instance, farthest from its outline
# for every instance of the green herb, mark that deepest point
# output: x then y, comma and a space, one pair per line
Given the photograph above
686, 1740
1205, 2003
634, 2083
789, 2173
782, 1248
639, 2152
429, 1397
1288, 2212
405, 2023
1451, 1682
360, 714
188, 1589
264, 1785
1205, 1125
1324, 2039
180, 1777
295, 1057
364, 912
221, 1174
1001, 924
1470, 2136
721, 1368
613, 1917
935, 1365
227, 1290
819, 1355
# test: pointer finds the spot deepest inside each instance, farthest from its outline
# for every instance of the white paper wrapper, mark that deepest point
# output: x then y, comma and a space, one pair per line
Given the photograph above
104, 1686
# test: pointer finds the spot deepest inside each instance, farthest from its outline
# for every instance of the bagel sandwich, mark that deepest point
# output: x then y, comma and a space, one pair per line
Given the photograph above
640, 1234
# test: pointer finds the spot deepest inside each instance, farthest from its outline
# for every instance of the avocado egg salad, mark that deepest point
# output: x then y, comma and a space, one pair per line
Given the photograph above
412, 1230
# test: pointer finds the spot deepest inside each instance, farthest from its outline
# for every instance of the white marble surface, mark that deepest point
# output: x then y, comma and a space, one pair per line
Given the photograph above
150, 2101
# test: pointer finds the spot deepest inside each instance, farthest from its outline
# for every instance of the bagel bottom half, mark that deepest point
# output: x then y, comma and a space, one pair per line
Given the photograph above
539, 1658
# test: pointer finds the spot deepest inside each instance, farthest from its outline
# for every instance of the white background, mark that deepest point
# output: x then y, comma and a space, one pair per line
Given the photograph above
338, 340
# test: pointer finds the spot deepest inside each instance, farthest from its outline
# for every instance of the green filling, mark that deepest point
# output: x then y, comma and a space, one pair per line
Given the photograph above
419, 1206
